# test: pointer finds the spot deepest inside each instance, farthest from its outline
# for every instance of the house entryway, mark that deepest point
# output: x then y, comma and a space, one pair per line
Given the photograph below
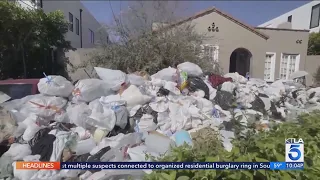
240, 61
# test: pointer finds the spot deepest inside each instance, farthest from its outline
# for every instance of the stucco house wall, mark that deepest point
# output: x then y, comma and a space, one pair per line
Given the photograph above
230, 37
286, 41
234, 34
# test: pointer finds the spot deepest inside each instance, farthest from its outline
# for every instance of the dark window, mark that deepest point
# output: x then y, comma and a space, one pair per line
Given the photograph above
289, 18
77, 26
70, 22
315, 15
91, 36
16, 91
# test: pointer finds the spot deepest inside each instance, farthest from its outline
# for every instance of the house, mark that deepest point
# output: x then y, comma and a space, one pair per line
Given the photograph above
84, 29
303, 17
266, 53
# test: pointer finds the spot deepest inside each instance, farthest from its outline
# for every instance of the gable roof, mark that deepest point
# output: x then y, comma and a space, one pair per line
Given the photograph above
283, 29
211, 10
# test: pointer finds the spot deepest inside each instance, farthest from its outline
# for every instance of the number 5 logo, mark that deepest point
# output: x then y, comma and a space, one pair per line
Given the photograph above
294, 149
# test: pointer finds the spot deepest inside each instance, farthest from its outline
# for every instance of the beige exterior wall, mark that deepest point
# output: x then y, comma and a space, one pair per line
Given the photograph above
312, 63
282, 41
230, 37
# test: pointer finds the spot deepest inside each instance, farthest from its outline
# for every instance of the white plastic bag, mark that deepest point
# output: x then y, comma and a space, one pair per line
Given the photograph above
31, 130
102, 116
136, 80
180, 116
236, 77
105, 119
113, 78
212, 91
190, 68
55, 86
18, 151
228, 86
43, 106
133, 97
85, 146
79, 114
167, 74
172, 87
146, 123
87, 90
160, 104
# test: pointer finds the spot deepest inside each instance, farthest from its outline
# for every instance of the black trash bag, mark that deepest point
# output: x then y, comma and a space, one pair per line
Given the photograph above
263, 95
224, 99
96, 157
195, 83
312, 95
258, 105
44, 147
273, 110
163, 92
295, 94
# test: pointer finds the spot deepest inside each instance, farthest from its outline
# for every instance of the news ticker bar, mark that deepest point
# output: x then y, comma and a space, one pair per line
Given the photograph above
162, 165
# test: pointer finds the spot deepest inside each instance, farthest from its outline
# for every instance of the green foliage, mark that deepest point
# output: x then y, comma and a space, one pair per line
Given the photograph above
253, 147
314, 44
27, 37
136, 46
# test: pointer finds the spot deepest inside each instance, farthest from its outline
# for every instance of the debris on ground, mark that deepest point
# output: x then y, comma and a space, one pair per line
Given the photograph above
122, 117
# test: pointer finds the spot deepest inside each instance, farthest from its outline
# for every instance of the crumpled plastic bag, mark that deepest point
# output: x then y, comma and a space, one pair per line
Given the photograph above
87, 90
191, 68
136, 80
96, 116
159, 104
133, 97
228, 86
212, 91
18, 151
114, 79
43, 106
167, 74
79, 114
236, 77
146, 123
85, 146
180, 116
55, 86
172, 87
30, 131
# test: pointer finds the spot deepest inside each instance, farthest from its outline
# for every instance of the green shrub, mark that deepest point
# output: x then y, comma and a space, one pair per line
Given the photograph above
253, 147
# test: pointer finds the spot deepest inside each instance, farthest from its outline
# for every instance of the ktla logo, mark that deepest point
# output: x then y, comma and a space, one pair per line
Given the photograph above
294, 150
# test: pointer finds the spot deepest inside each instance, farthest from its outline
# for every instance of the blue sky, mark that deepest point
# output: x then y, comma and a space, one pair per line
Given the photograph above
250, 12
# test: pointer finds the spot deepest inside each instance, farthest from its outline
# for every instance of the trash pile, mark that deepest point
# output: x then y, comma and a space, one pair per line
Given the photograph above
124, 117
